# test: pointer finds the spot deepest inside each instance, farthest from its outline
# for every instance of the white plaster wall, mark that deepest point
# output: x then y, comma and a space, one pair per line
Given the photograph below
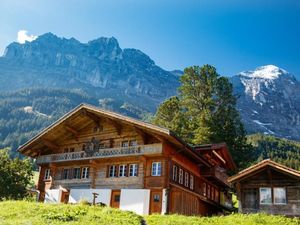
53, 196
136, 200
164, 202
87, 194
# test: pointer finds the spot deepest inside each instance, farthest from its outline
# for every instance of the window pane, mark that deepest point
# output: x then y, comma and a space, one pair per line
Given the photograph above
265, 196
133, 143
124, 143
279, 196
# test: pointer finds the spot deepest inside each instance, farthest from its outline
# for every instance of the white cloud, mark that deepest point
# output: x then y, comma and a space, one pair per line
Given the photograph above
22, 37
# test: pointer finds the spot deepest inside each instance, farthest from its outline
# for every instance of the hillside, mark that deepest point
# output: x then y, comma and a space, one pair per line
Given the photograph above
24, 113
281, 150
22, 212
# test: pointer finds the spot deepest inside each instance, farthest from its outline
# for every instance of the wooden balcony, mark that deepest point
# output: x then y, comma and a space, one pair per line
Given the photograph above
216, 174
101, 153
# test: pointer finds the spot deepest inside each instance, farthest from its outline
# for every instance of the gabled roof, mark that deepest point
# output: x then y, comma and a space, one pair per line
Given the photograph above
72, 117
216, 152
261, 165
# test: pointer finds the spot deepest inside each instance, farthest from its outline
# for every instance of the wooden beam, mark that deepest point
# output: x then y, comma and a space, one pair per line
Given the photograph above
93, 117
142, 134
50, 144
116, 125
73, 131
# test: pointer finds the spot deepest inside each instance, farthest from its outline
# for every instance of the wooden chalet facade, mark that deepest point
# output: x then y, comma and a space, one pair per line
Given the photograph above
268, 187
131, 165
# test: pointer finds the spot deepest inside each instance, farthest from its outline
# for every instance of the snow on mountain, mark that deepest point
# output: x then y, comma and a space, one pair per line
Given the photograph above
265, 72
269, 101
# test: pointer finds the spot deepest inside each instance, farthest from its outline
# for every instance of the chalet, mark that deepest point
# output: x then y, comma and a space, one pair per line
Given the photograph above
268, 187
96, 155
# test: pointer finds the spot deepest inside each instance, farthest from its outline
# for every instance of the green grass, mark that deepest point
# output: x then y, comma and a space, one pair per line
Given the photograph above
234, 219
32, 213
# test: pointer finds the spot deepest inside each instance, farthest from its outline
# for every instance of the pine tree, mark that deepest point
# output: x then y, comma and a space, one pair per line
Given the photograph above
205, 112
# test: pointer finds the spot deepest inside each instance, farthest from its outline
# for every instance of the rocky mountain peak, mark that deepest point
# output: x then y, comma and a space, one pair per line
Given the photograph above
269, 72
269, 101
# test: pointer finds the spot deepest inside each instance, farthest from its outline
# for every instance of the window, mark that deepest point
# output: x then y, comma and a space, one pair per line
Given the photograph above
156, 168
47, 174
122, 170
208, 191
265, 196
175, 173
72, 149
133, 170
65, 174
133, 143
212, 193
156, 198
125, 144
204, 189
113, 171
180, 180
117, 198
191, 182
76, 173
279, 195
85, 172
186, 179
66, 150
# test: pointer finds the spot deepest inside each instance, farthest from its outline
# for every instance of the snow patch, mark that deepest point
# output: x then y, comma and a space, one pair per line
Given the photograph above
270, 72
263, 125
29, 109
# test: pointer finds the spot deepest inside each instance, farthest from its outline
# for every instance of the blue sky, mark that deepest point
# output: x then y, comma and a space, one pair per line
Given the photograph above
233, 35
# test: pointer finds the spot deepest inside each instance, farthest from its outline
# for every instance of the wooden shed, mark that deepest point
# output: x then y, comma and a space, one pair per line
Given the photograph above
268, 187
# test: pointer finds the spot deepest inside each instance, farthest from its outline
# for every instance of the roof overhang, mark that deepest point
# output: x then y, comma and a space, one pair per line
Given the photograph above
218, 152
35, 143
260, 166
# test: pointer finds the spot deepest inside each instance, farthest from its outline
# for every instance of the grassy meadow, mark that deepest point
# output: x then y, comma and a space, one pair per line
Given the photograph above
32, 213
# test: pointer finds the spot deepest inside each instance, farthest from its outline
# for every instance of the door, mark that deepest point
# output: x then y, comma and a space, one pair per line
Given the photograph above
115, 198
250, 203
155, 202
64, 197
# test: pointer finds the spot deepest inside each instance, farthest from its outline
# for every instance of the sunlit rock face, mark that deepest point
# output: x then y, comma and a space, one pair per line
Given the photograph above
269, 101
100, 67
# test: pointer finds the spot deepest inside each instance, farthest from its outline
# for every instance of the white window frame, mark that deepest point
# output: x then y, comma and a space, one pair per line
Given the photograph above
274, 193
122, 170
186, 179
47, 174
125, 144
133, 170
112, 171
260, 189
192, 182
180, 178
85, 172
156, 169
133, 143
74, 173
175, 173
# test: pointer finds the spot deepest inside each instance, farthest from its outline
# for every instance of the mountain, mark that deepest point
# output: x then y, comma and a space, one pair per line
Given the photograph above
100, 68
280, 150
269, 101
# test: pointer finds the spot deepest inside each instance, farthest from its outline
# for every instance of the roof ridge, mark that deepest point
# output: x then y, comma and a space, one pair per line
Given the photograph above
261, 164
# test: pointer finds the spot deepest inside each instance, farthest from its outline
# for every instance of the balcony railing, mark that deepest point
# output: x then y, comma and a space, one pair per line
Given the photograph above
101, 153
217, 173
